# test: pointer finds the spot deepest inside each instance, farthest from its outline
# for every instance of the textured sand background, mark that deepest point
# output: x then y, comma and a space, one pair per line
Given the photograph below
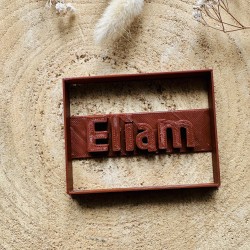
153, 170
38, 49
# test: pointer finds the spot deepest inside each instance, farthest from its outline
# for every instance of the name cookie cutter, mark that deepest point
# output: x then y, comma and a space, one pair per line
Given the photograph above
131, 134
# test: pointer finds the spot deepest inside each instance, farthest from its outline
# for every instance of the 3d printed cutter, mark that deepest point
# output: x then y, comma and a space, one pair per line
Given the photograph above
139, 133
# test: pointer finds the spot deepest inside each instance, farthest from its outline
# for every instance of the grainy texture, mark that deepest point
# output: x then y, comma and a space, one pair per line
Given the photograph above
141, 171
38, 49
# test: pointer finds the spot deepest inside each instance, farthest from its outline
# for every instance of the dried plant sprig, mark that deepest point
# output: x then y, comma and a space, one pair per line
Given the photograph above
116, 19
215, 14
61, 7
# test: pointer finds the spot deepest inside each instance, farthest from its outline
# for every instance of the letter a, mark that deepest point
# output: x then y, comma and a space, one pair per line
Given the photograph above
147, 133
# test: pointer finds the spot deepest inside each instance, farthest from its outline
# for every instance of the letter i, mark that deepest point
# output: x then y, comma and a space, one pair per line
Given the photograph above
129, 137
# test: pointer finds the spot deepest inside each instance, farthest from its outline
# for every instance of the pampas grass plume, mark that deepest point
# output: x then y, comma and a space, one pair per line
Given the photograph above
117, 17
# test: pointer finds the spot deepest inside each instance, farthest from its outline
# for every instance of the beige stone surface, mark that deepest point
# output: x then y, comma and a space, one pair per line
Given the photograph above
141, 171
38, 49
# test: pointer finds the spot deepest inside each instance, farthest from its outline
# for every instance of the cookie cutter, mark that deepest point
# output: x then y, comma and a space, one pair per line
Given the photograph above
131, 134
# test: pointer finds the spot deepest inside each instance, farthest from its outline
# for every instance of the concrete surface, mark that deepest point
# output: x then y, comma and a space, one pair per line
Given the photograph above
38, 49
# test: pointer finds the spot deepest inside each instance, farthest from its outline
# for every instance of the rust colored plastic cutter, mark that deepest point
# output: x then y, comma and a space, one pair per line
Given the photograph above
131, 134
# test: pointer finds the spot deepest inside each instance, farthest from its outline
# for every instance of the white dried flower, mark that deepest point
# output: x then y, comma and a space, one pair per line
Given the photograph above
200, 2
70, 7
212, 13
200, 5
197, 15
61, 7
207, 3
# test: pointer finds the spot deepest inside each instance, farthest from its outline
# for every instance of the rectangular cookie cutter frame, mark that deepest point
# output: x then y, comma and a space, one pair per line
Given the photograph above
207, 76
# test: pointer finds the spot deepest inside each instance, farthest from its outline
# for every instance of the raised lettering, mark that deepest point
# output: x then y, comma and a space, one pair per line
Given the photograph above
93, 135
149, 134
163, 125
116, 134
129, 136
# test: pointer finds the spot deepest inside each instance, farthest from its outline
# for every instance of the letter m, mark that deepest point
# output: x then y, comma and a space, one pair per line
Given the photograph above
163, 125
